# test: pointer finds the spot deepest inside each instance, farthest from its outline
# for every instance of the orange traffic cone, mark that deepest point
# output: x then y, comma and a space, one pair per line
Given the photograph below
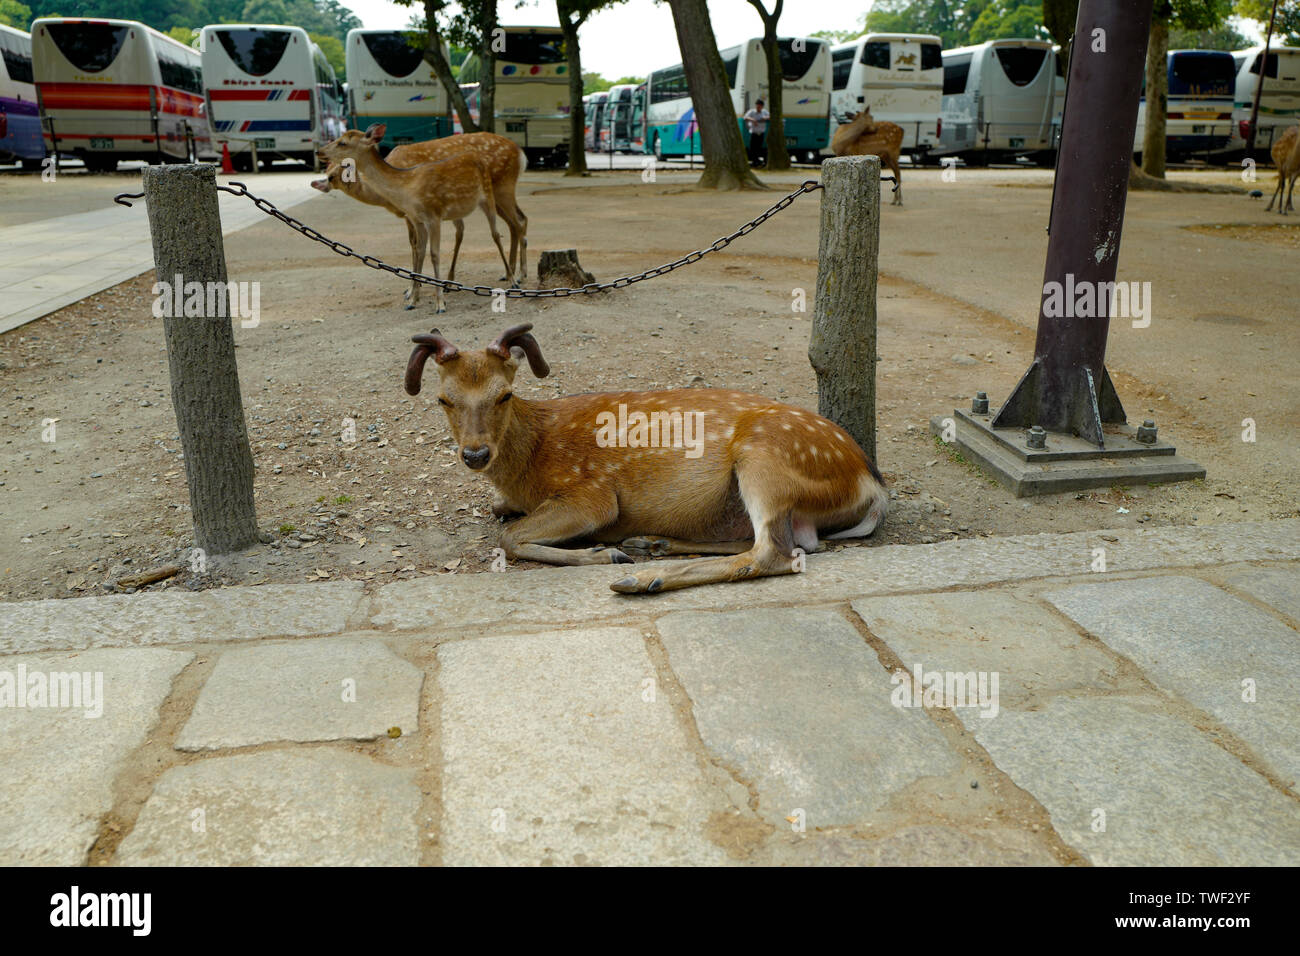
226, 165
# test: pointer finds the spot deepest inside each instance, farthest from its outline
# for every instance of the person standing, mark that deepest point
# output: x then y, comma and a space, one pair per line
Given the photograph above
756, 122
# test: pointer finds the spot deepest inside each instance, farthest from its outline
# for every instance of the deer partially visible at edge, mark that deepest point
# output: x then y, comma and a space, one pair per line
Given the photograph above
754, 481
863, 136
1286, 157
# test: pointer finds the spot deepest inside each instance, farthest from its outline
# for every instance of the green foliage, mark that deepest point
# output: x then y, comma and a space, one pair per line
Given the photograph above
1287, 24
958, 24
1007, 19
327, 17
15, 14
185, 35
332, 47
1220, 38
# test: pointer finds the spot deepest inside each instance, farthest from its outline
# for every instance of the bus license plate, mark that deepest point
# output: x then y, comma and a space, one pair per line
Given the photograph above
791, 141
264, 143
516, 127
1017, 142
100, 143
1198, 128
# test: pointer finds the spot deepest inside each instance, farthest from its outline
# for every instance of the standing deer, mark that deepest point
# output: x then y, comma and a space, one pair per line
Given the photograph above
863, 136
448, 188
505, 162
1286, 157
691, 471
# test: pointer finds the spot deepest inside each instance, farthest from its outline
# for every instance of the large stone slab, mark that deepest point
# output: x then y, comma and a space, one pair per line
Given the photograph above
1202, 644
1028, 649
929, 845
319, 807
800, 706
1278, 587
59, 765
1169, 795
178, 617
346, 688
553, 754
581, 595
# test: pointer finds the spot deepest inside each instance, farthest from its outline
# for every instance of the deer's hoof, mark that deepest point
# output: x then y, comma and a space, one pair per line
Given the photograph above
439, 310
632, 585
646, 546
618, 557
408, 307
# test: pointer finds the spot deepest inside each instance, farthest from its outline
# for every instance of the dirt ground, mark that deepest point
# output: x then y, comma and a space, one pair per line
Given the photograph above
961, 274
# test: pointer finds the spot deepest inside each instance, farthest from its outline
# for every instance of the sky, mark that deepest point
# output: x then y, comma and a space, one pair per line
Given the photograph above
637, 36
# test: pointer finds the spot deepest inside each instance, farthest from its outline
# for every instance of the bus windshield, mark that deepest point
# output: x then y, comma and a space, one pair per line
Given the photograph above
1020, 63
534, 49
395, 55
795, 63
1201, 74
256, 52
88, 46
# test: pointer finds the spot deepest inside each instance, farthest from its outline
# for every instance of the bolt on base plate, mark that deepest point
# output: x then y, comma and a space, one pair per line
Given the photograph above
1065, 462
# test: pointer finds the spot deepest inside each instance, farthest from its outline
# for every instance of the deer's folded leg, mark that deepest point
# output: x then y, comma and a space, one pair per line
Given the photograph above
559, 520
659, 546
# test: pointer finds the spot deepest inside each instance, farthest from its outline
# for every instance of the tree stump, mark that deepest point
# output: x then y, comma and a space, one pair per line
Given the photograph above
560, 269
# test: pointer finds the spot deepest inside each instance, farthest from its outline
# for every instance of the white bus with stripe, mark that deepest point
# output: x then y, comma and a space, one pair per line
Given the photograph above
389, 82
899, 76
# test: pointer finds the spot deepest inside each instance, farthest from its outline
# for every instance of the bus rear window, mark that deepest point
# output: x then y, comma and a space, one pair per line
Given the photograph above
931, 56
1272, 65
955, 71
1204, 74
88, 46
395, 55
731, 64
256, 52
796, 63
841, 67
876, 53
1020, 63
533, 48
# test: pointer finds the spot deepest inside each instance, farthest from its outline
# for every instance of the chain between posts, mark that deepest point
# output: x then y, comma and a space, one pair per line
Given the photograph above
239, 189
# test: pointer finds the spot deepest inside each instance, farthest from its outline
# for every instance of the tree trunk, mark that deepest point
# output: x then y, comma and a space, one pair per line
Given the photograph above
842, 346
442, 69
487, 90
725, 163
569, 23
777, 157
560, 269
1153, 142
185, 226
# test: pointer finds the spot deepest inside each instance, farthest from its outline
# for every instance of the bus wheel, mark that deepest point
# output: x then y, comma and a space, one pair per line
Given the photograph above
31, 165
243, 163
1045, 160
100, 164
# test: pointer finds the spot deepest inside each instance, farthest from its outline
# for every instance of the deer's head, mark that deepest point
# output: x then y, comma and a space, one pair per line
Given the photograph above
475, 388
352, 144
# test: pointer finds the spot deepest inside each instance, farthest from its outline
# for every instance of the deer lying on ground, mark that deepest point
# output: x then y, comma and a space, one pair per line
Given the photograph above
448, 188
1286, 157
690, 471
505, 163
863, 136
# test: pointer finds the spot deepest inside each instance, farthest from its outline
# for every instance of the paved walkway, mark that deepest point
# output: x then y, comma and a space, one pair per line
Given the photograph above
1144, 714
50, 263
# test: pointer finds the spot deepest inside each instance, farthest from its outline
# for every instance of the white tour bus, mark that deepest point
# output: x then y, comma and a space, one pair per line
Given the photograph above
531, 100
999, 100
1279, 103
899, 76
113, 90
593, 105
268, 87
20, 120
389, 82
1198, 117
617, 133
670, 125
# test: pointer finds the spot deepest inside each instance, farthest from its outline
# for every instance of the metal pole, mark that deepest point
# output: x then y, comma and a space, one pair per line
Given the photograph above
1067, 389
1259, 87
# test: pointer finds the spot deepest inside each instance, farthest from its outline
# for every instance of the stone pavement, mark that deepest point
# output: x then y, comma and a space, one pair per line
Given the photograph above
989, 701
50, 263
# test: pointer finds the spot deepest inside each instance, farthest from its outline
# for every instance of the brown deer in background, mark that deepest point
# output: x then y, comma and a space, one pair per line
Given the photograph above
445, 189
863, 136
1286, 157
505, 162
688, 471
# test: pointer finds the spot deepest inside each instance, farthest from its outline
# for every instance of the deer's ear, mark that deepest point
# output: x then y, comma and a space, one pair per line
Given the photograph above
376, 132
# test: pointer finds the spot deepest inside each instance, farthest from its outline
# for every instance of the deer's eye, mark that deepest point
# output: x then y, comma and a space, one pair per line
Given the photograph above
505, 398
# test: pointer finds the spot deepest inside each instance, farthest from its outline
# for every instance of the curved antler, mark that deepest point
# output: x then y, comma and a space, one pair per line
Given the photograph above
518, 336
425, 345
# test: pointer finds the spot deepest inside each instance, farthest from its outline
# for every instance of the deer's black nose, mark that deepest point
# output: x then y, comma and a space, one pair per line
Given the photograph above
476, 457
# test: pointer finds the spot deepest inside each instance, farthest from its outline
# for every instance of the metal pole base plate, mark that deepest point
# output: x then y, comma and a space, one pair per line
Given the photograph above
1067, 463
